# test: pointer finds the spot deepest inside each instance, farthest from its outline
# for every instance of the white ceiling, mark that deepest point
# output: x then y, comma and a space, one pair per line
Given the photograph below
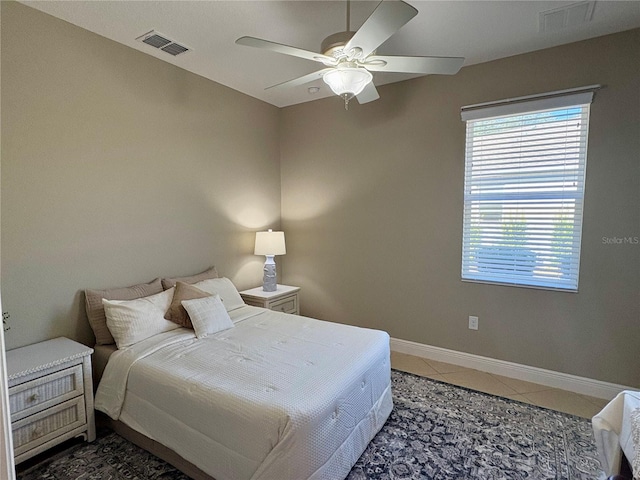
477, 30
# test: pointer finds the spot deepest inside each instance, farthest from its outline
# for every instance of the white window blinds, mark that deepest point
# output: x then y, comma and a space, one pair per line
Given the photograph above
523, 191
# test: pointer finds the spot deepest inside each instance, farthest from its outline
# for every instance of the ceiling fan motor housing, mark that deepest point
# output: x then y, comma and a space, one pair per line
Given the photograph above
332, 45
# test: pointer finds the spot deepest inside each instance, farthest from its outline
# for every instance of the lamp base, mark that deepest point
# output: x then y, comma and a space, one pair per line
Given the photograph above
269, 283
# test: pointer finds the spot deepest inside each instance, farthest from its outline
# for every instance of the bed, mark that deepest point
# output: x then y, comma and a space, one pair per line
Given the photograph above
278, 396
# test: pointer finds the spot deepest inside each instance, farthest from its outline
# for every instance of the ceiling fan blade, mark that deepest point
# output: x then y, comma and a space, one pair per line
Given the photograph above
369, 94
424, 65
285, 49
301, 80
385, 20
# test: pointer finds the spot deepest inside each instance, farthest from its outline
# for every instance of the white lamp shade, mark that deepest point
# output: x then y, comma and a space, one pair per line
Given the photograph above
270, 243
348, 81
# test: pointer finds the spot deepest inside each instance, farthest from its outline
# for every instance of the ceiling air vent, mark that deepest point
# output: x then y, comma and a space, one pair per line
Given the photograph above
158, 40
174, 49
567, 16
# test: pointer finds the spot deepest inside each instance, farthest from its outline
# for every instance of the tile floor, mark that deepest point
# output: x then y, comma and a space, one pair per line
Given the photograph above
532, 393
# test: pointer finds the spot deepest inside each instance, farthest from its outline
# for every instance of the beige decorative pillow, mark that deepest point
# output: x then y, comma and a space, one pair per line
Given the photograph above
191, 279
177, 313
131, 321
208, 315
226, 289
95, 309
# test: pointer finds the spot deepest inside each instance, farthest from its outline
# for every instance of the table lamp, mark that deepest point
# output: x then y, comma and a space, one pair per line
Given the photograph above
269, 244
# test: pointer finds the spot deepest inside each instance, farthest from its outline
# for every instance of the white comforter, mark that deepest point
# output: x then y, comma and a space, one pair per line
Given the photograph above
277, 397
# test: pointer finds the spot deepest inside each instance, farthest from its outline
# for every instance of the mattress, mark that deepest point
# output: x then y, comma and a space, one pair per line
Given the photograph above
277, 397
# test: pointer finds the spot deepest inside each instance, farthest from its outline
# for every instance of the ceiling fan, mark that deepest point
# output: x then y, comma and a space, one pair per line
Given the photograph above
350, 57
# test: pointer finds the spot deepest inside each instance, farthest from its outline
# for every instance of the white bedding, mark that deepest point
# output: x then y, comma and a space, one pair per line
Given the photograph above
277, 397
617, 431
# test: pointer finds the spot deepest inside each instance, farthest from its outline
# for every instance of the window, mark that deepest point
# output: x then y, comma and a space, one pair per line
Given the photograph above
524, 189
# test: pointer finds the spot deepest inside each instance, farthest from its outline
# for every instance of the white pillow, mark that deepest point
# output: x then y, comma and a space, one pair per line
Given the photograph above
131, 321
208, 315
228, 292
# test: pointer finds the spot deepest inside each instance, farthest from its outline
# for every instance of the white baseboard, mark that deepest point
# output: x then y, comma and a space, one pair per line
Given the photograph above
564, 381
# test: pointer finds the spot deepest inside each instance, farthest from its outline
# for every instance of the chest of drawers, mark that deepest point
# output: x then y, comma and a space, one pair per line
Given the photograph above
50, 395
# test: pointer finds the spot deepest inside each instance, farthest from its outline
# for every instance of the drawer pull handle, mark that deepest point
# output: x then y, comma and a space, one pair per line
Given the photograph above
33, 398
37, 432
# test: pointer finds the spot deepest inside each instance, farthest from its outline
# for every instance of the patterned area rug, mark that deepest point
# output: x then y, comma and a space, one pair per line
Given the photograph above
436, 431
439, 431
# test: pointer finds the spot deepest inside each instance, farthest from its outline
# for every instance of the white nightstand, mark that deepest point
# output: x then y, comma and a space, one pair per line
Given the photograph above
284, 299
50, 395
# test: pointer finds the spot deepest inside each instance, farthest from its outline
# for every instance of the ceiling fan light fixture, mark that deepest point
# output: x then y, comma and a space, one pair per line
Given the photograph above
347, 81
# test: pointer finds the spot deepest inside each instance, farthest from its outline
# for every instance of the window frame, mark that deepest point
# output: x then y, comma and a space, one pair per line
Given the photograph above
492, 258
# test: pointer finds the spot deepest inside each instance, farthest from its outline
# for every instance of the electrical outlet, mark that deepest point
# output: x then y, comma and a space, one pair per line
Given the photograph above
473, 323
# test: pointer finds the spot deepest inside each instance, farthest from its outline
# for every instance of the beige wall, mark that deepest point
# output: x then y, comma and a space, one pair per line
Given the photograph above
118, 168
372, 209
6, 448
